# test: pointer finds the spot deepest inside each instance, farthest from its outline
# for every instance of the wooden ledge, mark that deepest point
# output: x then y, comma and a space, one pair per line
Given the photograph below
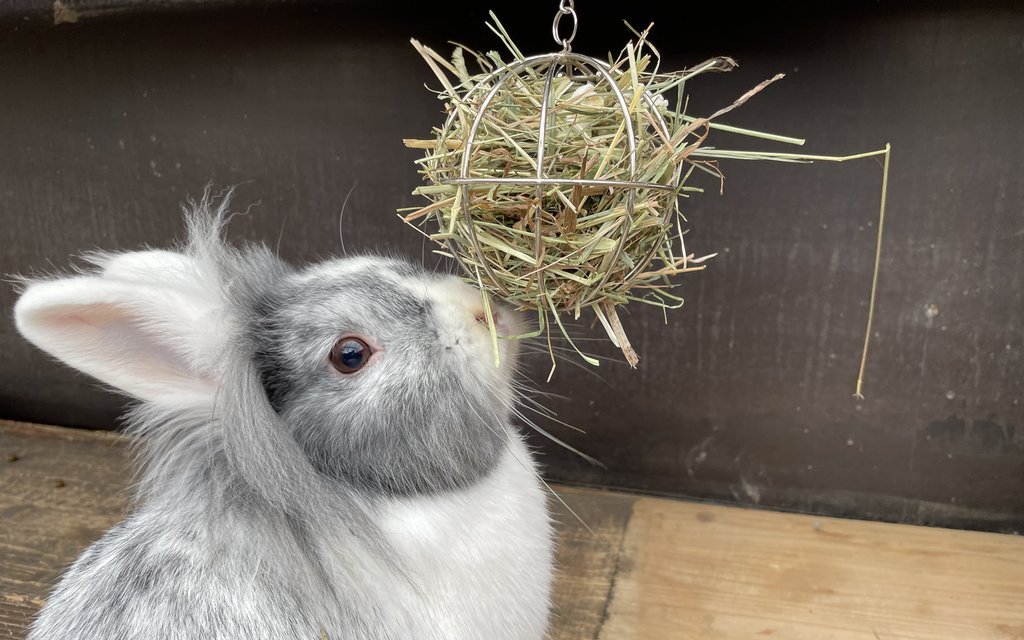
649, 568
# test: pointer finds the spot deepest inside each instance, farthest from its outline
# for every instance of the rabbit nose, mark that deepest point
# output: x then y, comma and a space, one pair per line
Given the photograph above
480, 316
504, 321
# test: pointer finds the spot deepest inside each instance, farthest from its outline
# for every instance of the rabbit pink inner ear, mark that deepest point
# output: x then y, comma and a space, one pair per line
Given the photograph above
124, 335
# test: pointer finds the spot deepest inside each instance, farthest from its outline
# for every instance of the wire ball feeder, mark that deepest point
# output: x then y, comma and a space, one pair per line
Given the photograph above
555, 180
557, 221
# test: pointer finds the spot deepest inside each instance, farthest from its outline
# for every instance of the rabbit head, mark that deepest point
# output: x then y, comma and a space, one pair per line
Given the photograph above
384, 372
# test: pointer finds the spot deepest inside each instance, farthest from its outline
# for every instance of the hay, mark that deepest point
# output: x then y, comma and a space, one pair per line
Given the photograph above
585, 239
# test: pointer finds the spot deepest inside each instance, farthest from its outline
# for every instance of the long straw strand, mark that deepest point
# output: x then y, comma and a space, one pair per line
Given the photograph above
874, 277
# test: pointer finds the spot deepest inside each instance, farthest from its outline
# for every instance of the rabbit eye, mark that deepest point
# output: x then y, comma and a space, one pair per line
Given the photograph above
350, 355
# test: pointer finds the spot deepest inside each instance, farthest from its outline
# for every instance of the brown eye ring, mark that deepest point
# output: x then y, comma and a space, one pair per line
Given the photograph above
350, 354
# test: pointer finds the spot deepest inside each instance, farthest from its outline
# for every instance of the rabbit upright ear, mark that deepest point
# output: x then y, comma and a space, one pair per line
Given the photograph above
145, 330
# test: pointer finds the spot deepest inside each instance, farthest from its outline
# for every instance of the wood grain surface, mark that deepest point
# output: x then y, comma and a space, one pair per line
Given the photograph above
640, 567
60, 489
704, 572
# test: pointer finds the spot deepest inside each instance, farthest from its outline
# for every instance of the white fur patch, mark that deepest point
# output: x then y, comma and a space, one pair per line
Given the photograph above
482, 557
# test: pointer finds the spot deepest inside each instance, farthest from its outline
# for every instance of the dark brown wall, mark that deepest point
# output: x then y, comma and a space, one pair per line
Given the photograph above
745, 395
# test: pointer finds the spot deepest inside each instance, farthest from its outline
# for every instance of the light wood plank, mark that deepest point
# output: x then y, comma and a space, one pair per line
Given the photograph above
699, 572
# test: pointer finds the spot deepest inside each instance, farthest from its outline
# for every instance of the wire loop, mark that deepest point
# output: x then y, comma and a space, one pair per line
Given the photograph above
565, 8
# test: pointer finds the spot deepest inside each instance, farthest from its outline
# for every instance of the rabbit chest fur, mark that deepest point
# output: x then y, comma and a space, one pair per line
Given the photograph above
326, 452
468, 565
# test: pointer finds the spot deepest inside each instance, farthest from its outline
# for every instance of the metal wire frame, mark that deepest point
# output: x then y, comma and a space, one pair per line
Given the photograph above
554, 61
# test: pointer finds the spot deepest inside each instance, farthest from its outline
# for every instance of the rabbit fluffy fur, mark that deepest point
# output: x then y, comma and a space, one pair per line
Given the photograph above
279, 498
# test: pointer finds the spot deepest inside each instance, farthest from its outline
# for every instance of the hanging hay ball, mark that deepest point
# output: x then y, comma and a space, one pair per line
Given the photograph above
555, 180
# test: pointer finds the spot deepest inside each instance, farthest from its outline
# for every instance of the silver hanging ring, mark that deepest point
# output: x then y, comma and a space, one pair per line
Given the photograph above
564, 10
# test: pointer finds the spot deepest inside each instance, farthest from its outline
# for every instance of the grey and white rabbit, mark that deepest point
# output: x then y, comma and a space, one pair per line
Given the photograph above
327, 451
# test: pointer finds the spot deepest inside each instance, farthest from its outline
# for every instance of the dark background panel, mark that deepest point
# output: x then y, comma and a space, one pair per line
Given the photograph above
745, 394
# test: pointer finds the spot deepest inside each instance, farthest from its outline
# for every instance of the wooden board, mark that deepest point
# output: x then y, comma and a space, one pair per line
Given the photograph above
59, 490
744, 395
722, 573
641, 568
